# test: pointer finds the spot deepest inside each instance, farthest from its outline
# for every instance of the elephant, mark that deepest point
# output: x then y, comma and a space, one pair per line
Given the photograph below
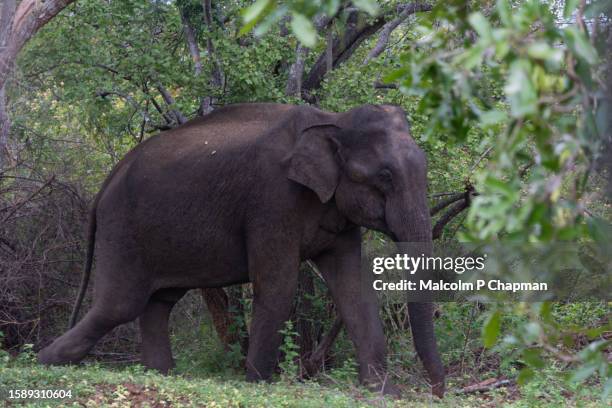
244, 194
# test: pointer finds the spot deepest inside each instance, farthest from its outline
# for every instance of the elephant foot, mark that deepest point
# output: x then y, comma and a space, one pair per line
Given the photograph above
48, 357
54, 355
438, 389
161, 366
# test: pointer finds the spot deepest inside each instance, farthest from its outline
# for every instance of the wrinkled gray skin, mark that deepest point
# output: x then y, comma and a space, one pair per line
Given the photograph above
244, 195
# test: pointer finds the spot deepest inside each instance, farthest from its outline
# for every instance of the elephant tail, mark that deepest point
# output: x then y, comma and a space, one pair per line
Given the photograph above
91, 241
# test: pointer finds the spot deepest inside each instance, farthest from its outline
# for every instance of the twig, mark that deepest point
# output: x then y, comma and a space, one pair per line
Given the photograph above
21, 204
484, 386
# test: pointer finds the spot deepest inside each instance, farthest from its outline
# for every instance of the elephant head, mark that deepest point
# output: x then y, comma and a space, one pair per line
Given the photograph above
367, 161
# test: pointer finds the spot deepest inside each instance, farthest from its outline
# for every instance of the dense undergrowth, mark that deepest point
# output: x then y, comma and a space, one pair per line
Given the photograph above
208, 375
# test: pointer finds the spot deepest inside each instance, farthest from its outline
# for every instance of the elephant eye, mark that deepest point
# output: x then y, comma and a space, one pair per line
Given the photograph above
385, 176
356, 175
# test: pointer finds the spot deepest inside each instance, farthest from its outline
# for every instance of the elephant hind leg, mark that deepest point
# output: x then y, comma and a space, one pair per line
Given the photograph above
155, 349
106, 314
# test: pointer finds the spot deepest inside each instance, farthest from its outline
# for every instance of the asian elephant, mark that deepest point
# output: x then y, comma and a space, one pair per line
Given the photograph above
245, 194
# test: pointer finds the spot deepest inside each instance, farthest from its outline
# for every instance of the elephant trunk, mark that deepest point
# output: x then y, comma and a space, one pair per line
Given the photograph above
412, 229
421, 323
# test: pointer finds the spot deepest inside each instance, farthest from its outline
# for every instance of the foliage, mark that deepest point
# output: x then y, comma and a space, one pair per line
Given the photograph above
507, 96
526, 79
289, 350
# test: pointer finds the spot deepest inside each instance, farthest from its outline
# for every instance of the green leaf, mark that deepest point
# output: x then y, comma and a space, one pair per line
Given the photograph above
304, 30
481, 25
607, 390
525, 376
492, 117
254, 13
569, 7
331, 7
505, 13
580, 45
533, 358
472, 57
395, 75
520, 90
369, 6
499, 186
491, 329
542, 50
268, 21
532, 332
583, 372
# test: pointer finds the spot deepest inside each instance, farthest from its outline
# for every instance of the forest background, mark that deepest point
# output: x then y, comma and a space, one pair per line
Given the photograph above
510, 100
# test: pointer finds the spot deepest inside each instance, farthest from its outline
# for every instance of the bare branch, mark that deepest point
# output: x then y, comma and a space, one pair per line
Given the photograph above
445, 203
180, 118
484, 386
192, 43
296, 72
406, 11
128, 98
218, 77
382, 85
314, 362
357, 30
23, 202
448, 217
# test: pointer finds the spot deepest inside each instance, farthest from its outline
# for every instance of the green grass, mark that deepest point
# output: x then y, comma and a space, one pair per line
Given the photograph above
95, 385
207, 375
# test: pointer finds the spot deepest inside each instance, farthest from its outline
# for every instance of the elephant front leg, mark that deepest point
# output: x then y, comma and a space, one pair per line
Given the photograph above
274, 273
358, 307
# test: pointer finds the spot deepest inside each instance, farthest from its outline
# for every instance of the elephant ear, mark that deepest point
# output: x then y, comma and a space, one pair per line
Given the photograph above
313, 162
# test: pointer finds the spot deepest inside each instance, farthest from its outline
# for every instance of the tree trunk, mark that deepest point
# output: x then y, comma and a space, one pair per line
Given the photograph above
227, 315
19, 23
5, 125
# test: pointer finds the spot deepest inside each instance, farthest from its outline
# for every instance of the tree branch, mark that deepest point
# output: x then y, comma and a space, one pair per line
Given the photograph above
382, 85
357, 30
342, 48
180, 118
385, 34
314, 362
130, 99
25, 21
445, 203
448, 217
218, 77
296, 71
192, 43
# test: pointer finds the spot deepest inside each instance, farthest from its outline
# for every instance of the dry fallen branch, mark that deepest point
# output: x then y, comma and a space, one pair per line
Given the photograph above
484, 386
